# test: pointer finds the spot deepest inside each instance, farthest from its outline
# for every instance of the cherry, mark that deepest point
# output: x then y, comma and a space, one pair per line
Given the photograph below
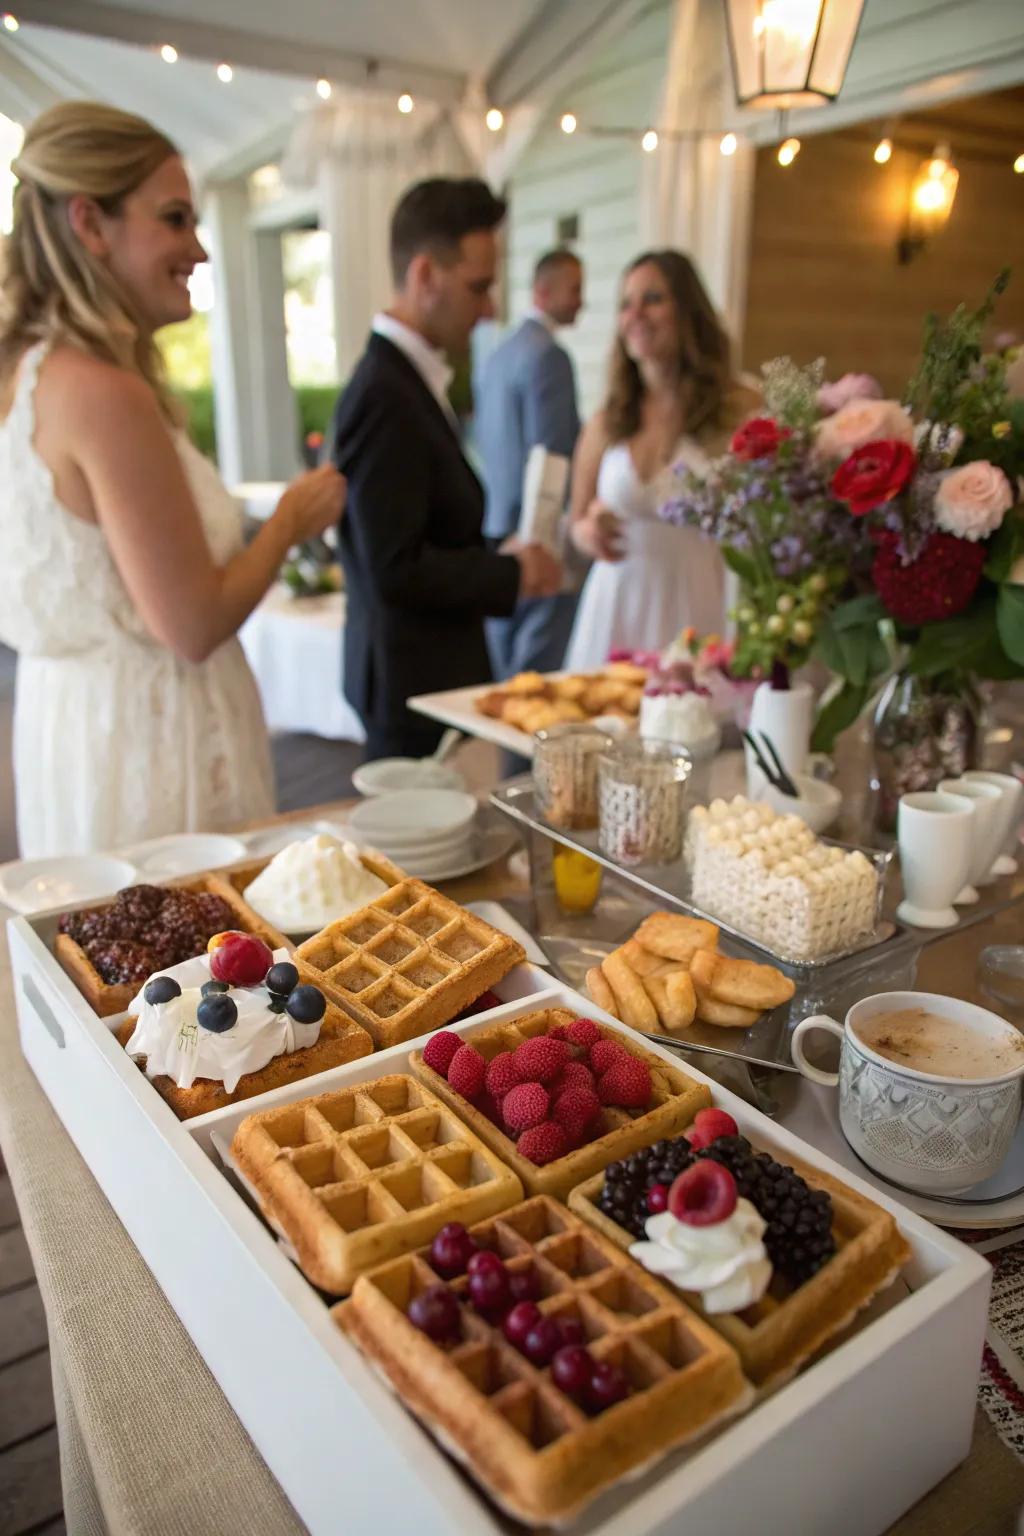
524, 1285
483, 1259
488, 1288
703, 1195
519, 1321
435, 1312
543, 1340
571, 1369
571, 1330
452, 1250
657, 1198
608, 1385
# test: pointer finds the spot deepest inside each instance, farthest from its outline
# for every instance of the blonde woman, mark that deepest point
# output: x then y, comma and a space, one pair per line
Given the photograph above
123, 579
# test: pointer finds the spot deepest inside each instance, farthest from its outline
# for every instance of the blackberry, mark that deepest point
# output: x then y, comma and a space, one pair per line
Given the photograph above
798, 1235
623, 1197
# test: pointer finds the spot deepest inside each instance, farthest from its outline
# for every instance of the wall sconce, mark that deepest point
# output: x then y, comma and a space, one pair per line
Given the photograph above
931, 201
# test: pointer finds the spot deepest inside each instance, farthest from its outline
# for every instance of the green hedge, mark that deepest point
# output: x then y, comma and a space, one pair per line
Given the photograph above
315, 403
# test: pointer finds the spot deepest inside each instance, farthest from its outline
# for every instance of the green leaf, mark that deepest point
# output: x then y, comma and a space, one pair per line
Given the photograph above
743, 565
1004, 547
839, 713
868, 609
973, 641
849, 650
1010, 622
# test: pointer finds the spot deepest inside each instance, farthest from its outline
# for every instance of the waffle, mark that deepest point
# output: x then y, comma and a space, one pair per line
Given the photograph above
339, 1042
107, 998
408, 962
777, 1335
359, 1176
537, 1454
676, 1098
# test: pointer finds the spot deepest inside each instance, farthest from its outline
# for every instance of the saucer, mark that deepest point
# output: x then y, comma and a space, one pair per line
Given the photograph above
187, 853
34, 885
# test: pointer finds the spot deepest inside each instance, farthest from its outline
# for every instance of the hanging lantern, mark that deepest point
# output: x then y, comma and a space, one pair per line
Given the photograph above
790, 53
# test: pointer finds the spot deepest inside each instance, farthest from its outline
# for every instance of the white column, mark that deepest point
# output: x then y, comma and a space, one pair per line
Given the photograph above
276, 454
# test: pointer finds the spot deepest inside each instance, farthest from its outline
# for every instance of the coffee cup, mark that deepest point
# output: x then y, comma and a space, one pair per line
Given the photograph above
934, 833
937, 1132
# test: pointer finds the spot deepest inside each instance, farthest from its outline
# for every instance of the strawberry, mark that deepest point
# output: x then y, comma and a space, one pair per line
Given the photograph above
605, 1052
584, 1032
543, 1143
575, 1074
467, 1071
626, 1083
525, 1105
575, 1110
502, 1075
439, 1050
540, 1059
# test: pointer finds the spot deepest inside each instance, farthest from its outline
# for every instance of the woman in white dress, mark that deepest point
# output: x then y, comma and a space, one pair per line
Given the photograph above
123, 577
668, 394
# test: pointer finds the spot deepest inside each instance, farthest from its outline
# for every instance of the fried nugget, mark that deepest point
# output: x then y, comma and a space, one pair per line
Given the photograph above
676, 937
711, 1011
600, 993
570, 687
492, 703
632, 1005
742, 983
674, 998
627, 672
526, 683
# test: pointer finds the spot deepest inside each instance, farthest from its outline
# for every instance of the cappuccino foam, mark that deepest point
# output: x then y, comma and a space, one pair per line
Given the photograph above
929, 1042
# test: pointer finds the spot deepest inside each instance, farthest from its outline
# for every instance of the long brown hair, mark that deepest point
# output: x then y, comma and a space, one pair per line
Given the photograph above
51, 288
704, 373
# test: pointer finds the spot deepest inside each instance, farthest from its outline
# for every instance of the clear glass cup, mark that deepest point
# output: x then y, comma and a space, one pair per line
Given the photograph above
577, 879
641, 793
565, 774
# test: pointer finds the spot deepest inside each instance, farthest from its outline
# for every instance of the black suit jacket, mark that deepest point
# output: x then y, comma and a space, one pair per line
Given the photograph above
419, 577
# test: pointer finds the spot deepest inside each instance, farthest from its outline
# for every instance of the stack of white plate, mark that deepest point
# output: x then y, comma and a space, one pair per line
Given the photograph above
429, 832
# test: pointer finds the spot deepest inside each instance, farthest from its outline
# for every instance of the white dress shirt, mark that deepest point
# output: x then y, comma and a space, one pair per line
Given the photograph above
430, 363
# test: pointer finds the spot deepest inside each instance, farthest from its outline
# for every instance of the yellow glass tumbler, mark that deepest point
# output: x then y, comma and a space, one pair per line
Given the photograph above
577, 880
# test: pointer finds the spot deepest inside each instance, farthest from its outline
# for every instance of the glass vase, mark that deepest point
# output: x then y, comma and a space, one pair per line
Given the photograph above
925, 730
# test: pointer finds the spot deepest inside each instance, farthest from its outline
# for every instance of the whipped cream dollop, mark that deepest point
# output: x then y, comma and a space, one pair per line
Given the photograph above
726, 1263
675, 714
175, 1044
312, 883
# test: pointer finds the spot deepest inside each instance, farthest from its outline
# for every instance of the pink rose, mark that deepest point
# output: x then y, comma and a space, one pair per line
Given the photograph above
972, 501
862, 421
852, 386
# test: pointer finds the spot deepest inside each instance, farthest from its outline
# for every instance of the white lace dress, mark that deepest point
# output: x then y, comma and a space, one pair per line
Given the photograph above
116, 739
670, 576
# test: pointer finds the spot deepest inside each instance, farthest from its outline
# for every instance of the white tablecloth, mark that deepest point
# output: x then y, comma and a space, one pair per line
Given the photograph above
294, 649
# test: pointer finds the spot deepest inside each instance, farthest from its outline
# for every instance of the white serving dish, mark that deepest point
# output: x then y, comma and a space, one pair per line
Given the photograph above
34, 885
818, 803
846, 1447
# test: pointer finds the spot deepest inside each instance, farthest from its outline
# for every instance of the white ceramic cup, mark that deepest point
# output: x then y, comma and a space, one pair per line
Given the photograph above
985, 834
1013, 802
934, 832
938, 1135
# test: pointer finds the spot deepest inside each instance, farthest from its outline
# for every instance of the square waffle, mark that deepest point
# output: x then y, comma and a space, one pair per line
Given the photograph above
538, 1454
339, 1042
107, 998
408, 962
777, 1335
358, 1176
675, 1099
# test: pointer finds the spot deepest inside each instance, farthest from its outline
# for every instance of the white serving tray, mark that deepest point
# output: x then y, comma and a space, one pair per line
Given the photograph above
846, 1447
455, 707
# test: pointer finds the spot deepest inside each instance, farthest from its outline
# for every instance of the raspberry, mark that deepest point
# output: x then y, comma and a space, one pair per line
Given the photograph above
575, 1110
543, 1143
526, 1105
708, 1125
540, 1059
605, 1053
502, 1075
439, 1050
575, 1074
584, 1032
560, 1032
626, 1083
466, 1072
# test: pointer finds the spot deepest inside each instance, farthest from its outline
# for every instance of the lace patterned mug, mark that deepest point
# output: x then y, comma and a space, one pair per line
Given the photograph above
931, 1132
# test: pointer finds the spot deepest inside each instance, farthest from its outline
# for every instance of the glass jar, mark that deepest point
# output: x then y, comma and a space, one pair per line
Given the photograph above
641, 788
565, 774
577, 880
925, 729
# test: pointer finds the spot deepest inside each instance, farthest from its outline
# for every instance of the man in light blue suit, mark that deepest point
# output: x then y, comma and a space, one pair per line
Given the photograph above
527, 396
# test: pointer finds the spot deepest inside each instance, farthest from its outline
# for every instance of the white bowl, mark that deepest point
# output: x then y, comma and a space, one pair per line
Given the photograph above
818, 803
33, 885
186, 854
390, 774
413, 818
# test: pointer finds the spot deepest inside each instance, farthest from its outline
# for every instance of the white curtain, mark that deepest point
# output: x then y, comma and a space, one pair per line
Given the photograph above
362, 154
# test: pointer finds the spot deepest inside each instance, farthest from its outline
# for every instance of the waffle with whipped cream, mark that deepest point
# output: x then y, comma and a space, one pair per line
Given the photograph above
357, 1176
770, 878
529, 1444
409, 961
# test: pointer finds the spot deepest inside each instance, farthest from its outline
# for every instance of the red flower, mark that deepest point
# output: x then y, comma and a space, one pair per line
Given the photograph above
758, 439
937, 585
873, 474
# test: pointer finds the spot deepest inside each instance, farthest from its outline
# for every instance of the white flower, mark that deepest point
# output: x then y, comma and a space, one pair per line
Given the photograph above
972, 501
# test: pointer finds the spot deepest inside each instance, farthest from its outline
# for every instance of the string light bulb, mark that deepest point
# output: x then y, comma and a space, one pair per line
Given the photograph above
568, 124
727, 144
405, 103
1018, 165
649, 142
883, 152
169, 53
324, 89
11, 23
788, 151
495, 119
225, 74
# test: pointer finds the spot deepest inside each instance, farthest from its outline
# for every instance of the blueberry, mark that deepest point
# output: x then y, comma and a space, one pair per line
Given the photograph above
282, 978
208, 988
307, 1005
278, 1004
161, 989
216, 1013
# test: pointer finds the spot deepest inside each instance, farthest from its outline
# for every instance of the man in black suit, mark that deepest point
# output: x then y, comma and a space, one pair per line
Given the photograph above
419, 576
